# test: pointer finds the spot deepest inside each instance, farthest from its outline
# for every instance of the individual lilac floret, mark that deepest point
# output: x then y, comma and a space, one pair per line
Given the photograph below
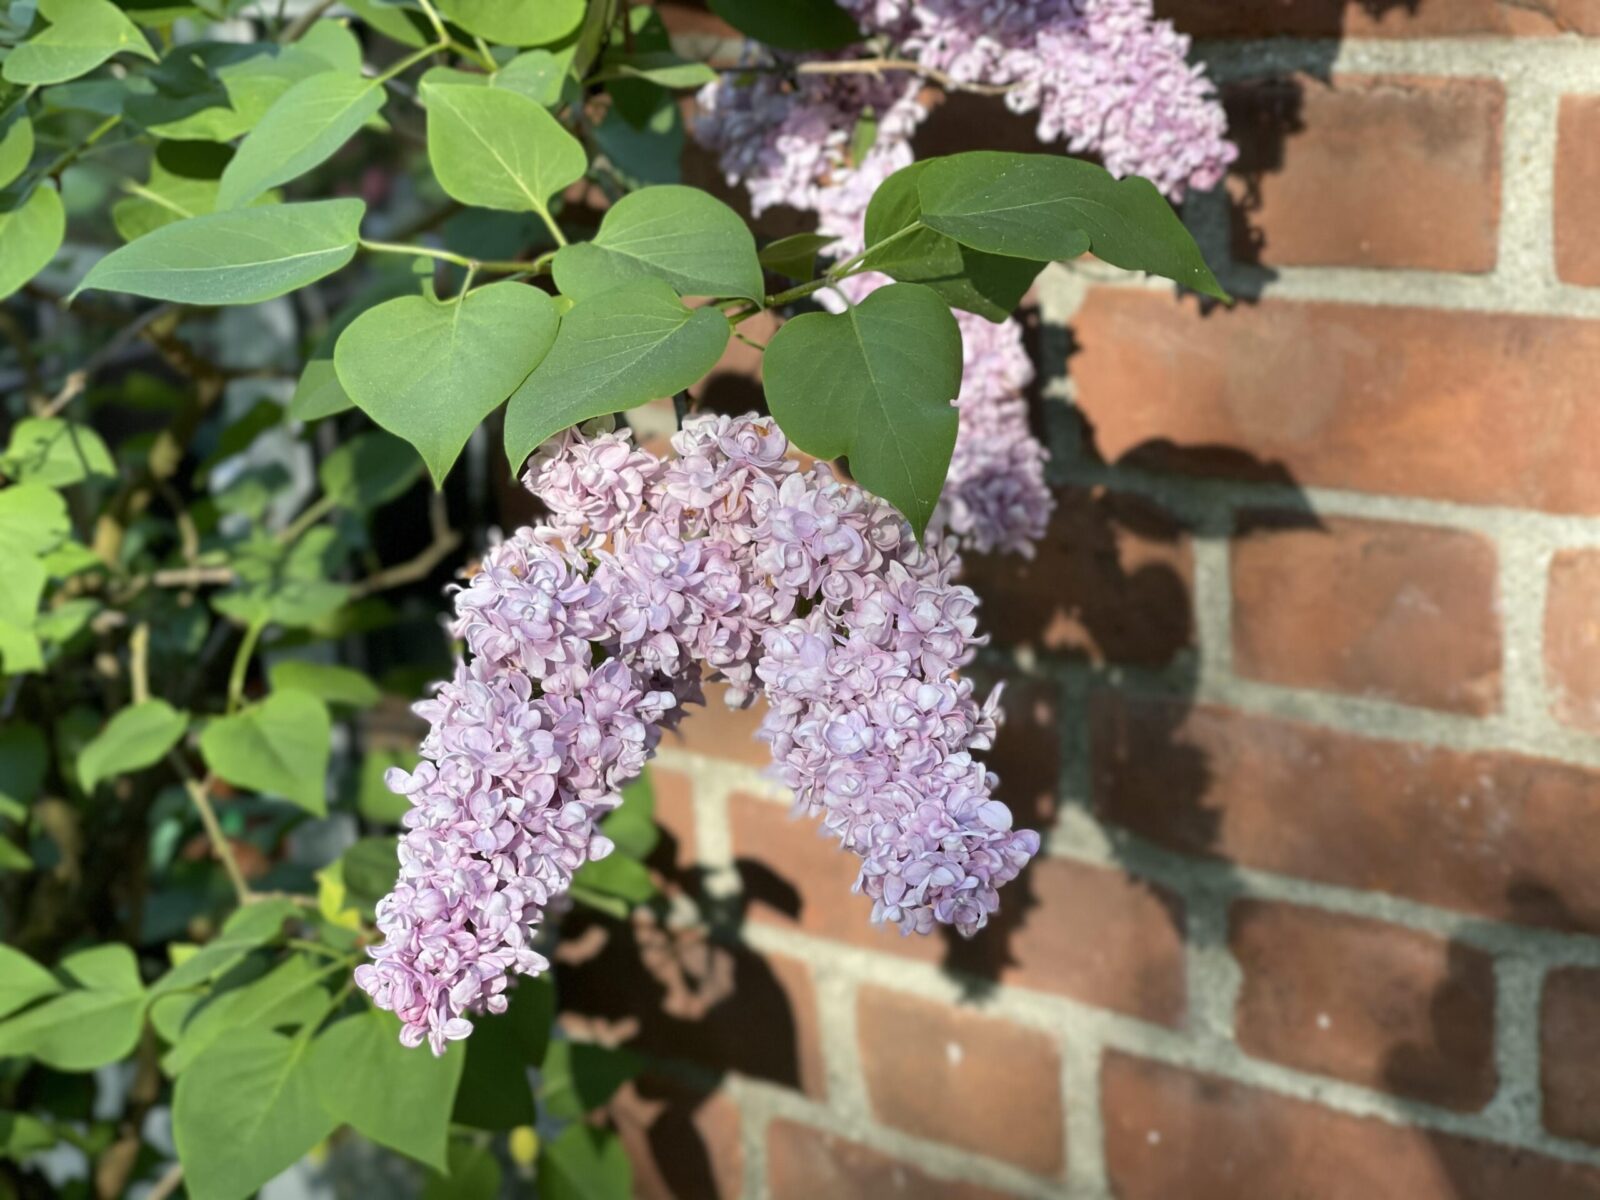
793, 583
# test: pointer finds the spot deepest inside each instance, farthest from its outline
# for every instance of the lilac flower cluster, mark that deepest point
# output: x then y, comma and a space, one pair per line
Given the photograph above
587, 636
1104, 76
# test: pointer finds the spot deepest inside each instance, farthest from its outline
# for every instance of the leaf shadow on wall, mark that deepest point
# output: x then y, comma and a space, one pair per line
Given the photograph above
1106, 608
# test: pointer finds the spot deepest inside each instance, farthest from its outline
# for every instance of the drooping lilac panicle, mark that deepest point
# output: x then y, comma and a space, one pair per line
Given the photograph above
586, 637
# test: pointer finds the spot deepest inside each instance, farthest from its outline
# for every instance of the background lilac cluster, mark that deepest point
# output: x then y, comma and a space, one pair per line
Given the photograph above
586, 637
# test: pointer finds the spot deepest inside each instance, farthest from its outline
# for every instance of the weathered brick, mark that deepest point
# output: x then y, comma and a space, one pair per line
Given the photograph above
1308, 190
1386, 1007
805, 1163
1380, 18
1569, 1052
1499, 834
1174, 1133
935, 1071
1091, 933
1112, 582
674, 795
677, 994
682, 1140
1484, 408
718, 731
1572, 638
1577, 183
1374, 608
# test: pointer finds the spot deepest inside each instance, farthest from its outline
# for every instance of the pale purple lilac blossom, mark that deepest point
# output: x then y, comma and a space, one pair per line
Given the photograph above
587, 635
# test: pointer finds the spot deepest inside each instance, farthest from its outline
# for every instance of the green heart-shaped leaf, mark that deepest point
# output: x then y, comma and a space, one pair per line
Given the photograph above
31, 231
616, 351
137, 737
280, 747
875, 383
430, 372
81, 35
496, 148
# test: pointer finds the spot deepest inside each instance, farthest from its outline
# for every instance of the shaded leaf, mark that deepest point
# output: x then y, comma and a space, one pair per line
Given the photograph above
31, 231
137, 737
55, 452
22, 981
302, 130
80, 36
579, 1077
795, 255
791, 24
279, 747
369, 470
585, 1163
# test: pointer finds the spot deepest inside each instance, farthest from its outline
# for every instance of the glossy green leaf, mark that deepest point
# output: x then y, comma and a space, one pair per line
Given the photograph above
585, 1163
329, 682
430, 372
301, 131
398, 1097
55, 452
88, 1026
369, 470
1046, 206
215, 91
31, 231
369, 869
246, 929
183, 182
791, 24
543, 76
137, 737
579, 1077
245, 1111
80, 36
516, 22
616, 351
33, 520
285, 585
474, 1174
681, 235
319, 393
287, 996
795, 255
237, 257
16, 149
22, 1135
22, 981
875, 383
374, 800
990, 285
24, 757
333, 41
279, 747
498, 149
662, 67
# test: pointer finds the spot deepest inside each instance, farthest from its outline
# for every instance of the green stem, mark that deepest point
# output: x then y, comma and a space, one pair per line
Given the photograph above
68, 157
550, 224
410, 61
313, 513
439, 31
241, 663
496, 266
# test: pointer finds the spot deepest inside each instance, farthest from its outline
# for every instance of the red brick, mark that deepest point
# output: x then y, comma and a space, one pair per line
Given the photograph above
1577, 183
1572, 638
1309, 190
936, 1072
1386, 1007
1112, 582
718, 731
1091, 933
677, 994
1173, 1133
674, 795
1380, 18
1374, 608
805, 1164
682, 1140
1484, 408
1569, 1052
1503, 835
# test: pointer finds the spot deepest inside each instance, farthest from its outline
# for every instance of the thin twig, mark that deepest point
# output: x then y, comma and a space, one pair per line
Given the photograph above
877, 66
77, 381
444, 542
167, 1184
200, 793
139, 661
294, 31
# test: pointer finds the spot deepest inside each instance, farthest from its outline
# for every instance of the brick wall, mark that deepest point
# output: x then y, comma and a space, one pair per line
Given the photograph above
1304, 687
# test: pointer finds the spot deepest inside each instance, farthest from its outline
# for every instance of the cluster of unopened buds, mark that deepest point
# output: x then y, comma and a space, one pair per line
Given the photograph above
587, 634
